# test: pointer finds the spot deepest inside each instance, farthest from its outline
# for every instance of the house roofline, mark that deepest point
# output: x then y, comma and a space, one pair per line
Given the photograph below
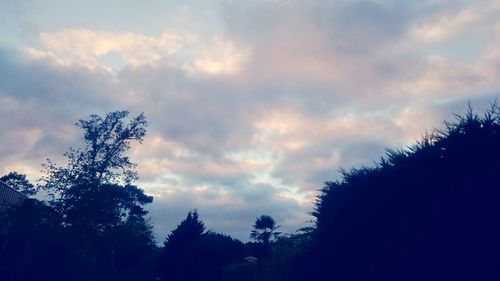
13, 189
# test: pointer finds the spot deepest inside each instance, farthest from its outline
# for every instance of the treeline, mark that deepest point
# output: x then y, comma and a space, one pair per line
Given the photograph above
93, 226
427, 212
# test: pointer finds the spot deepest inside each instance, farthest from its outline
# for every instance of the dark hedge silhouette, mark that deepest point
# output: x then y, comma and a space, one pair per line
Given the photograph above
430, 212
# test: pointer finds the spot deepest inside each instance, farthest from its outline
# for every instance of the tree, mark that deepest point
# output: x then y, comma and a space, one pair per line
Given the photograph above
95, 187
20, 183
103, 158
426, 212
190, 229
207, 257
30, 243
100, 208
264, 229
177, 246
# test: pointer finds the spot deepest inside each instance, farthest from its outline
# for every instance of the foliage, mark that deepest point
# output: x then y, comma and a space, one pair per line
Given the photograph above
264, 229
426, 212
31, 243
102, 160
102, 217
177, 245
19, 182
189, 230
280, 263
208, 256
94, 189
192, 254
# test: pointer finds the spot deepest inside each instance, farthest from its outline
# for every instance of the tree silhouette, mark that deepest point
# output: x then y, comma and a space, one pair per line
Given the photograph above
173, 264
426, 212
264, 229
190, 229
208, 256
101, 211
191, 254
103, 158
94, 189
19, 182
31, 243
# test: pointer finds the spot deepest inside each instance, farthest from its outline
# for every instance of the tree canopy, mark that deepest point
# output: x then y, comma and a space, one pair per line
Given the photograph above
19, 182
102, 160
99, 209
95, 189
426, 212
177, 246
264, 229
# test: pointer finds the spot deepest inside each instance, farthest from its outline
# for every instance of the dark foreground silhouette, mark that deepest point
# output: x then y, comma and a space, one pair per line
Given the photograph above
428, 212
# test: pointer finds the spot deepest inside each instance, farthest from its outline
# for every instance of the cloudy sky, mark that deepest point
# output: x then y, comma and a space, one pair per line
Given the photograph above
252, 105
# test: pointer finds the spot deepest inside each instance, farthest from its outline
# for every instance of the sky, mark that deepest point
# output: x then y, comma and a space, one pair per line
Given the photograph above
251, 105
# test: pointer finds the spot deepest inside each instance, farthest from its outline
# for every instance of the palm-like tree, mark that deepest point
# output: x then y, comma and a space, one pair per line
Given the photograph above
264, 229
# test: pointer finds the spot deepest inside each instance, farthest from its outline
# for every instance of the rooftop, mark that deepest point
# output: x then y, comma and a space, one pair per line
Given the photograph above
9, 196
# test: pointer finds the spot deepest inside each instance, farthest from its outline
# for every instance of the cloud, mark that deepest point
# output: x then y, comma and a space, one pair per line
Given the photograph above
37, 96
230, 210
445, 26
111, 51
86, 47
253, 117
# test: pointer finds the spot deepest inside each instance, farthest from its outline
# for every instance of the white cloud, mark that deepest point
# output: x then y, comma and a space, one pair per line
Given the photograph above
90, 49
220, 56
445, 26
85, 47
